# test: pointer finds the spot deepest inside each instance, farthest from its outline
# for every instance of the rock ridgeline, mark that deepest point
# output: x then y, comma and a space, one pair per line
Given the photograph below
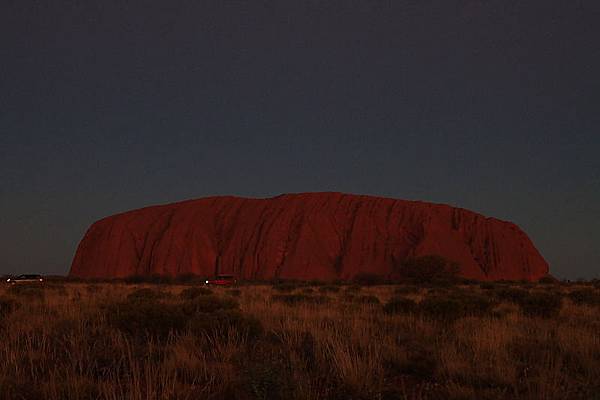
322, 236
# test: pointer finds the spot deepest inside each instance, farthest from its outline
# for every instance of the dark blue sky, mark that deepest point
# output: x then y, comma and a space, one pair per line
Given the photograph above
488, 105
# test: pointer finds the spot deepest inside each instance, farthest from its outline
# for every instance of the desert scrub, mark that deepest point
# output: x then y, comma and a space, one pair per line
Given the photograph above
141, 318
512, 295
418, 361
366, 299
294, 299
406, 289
234, 292
146, 294
329, 289
194, 292
455, 305
65, 350
219, 323
399, 305
487, 286
541, 304
27, 292
353, 289
589, 297
7, 306
208, 304
285, 287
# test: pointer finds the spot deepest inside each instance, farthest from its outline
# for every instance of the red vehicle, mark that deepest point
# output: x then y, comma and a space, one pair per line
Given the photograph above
222, 280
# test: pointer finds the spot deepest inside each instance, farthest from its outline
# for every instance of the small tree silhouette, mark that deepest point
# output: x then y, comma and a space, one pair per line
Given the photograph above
428, 269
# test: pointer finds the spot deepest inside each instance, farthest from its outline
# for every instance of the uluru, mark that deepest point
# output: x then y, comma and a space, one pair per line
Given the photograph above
325, 236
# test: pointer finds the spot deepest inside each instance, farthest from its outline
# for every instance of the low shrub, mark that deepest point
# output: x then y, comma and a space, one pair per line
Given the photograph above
511, 295
143, 317
420, 362
399, 305
194, 292
487, 286
548, 280
475, 304
308, 291
28, 291
209, 304
145, 294
329, 289
7, 306
406, 289
216, 324
447, 309
588, 297
456, 305
234, 292
353, 289
285, 287
545, 305
93, 288
367, 299
294, 299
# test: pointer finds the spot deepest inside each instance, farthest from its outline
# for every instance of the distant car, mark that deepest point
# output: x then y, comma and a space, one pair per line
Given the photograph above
25, 279
221, 280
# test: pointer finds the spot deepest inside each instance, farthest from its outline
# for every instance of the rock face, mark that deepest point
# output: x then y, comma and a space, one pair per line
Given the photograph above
303, 236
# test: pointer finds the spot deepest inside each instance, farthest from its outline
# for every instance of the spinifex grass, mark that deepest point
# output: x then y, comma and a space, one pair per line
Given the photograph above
119, 341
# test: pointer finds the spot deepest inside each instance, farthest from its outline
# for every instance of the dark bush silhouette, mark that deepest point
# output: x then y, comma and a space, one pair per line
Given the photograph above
487, 286
406, 289
545, 305
456, 305
367, 299
441, 308
353, 289
429, 269
548, 280
145, 294
589, 297
329, 289
511, 295
285, 287
7, 306
29, 291
146, 317
194, 292
217, 323
209, 304
399, 305
293, 299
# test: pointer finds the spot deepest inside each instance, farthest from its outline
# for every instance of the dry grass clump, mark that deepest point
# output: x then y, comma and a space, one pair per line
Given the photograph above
149, 341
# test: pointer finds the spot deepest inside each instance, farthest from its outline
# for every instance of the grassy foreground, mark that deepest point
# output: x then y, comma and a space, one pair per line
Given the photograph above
291, 341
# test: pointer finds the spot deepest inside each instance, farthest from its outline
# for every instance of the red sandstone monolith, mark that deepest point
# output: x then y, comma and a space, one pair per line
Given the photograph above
323, 236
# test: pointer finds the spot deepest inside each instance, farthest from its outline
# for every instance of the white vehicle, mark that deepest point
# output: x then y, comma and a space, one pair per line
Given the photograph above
25, 279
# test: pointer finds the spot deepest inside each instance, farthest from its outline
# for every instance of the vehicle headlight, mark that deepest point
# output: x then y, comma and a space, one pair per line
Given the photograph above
204, 282
8, 280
